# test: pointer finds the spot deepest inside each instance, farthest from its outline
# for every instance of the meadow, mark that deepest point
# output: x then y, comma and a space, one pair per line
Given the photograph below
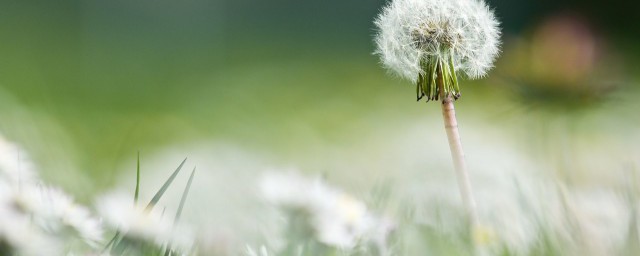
302, 144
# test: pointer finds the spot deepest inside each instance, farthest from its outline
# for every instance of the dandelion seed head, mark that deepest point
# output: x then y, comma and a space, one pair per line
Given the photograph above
410, 31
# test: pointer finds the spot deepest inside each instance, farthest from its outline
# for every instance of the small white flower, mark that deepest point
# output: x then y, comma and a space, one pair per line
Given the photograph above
17, 231
52, 212
337, 218
419, 39
57, 212
33, 215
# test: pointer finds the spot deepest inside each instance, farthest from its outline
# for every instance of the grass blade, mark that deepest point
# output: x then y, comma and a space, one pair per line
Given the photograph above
164, 187
111, 242
184, 197
137, 193
169, 250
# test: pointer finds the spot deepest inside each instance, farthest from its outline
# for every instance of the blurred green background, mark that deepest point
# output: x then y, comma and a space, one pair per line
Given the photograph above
84, 85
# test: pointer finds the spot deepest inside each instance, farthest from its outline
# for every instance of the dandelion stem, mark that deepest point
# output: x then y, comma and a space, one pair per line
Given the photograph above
455, 145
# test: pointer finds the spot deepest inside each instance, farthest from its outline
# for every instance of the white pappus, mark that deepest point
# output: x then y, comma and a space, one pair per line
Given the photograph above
421, 40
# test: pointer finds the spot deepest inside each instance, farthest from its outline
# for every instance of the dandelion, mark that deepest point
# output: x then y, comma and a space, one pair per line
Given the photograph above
428, 42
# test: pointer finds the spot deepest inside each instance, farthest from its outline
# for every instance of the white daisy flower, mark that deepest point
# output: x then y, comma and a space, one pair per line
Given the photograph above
31, 211
425, 40
18, 235
59, 214
337, 218
52, 212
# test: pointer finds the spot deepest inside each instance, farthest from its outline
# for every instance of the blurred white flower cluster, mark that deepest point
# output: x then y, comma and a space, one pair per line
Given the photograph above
522, 211
37, 219
336, 218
